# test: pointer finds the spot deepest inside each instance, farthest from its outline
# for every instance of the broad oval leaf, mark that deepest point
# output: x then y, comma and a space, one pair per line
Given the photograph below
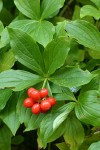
9, 115
26, 50
71, 77
30, 8
5, 138
88, 108
95, 146
49, 7
18, 80
89, 10
7, 60
4, 97
85, 33
62, 116
40, 31
55, 54
47, 133
74, 133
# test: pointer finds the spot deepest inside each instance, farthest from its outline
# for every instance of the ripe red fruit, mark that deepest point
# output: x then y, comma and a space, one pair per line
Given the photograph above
45, 105
30, 90
52, 100
28, 102
35, 95
43, 93
36, 108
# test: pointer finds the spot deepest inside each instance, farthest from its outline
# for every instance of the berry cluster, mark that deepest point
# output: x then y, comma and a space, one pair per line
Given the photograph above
38, 101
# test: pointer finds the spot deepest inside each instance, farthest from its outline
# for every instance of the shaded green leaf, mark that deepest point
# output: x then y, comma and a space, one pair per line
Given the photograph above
7, 60
62, 146
56, 50
18, 80
74, 134
88, 108
9, 115
89, 10
29, 8
71, 77
85, 33
95, 146
76, 14
5, 138
26, 50
1, 5
1, 27
4, 97
18, 139
49, 7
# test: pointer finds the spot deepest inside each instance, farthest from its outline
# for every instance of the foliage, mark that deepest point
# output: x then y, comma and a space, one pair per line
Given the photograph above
53, 44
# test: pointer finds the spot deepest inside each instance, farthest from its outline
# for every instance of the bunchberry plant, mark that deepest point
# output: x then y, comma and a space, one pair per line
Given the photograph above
50, 74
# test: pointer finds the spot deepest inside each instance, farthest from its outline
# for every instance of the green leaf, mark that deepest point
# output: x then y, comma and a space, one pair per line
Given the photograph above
62, 146
85, 33
26, 50
40, 31
4, 38
9, 115
25, 115
4, 97
65, 95
74, 134
5, 138
95, 137
76, 14
47, 133
71, 77
96, 2
5, 16
29, 8
95, 146
7, 60
1, 27
1, 5
60, 29
88, 108
18, 139
49, 7
18, 80
62, 116
56, 50
89, 10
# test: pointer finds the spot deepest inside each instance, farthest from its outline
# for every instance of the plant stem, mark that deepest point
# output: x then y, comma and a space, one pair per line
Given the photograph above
44, 83
49, 146
66, 6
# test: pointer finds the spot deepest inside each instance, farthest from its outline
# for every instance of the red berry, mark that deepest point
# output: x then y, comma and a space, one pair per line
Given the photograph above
45, 105
35, 95
52, 100
36, 108
30, 90
43, 93
28, 102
